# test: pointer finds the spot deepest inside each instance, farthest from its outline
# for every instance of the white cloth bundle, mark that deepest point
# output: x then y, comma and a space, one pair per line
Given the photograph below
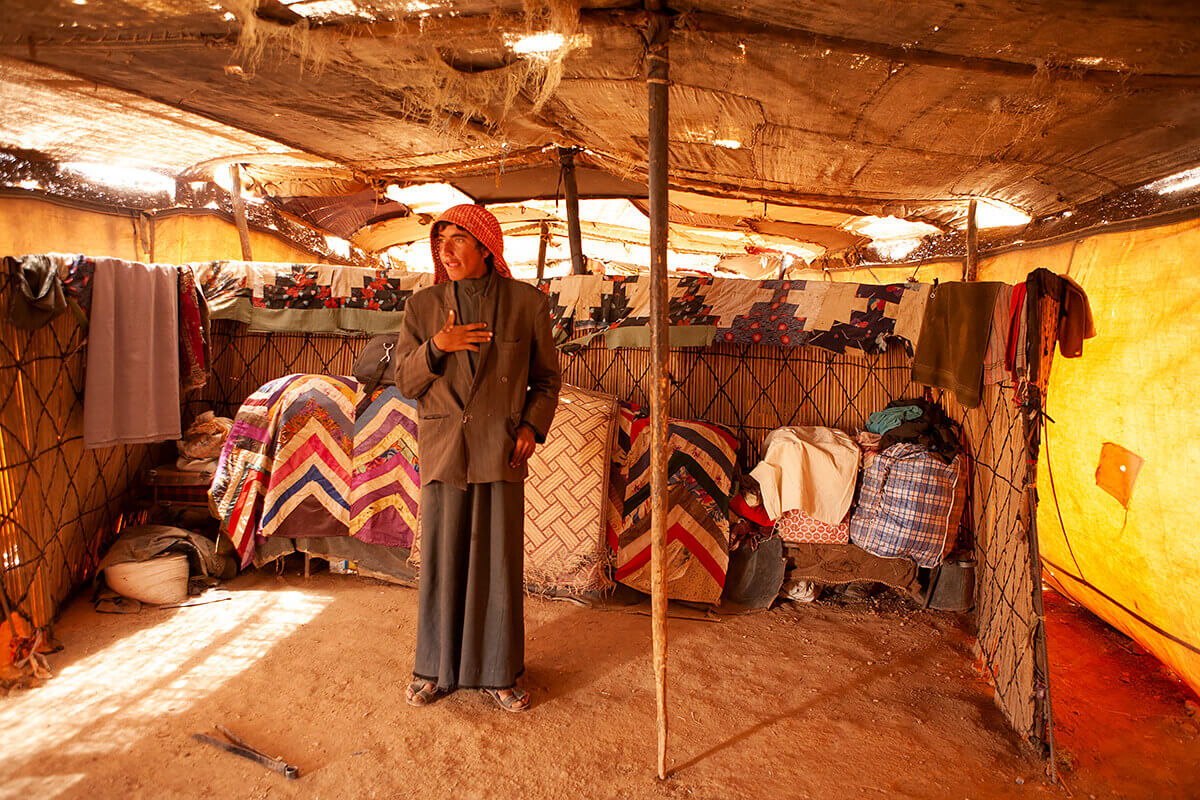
809, 468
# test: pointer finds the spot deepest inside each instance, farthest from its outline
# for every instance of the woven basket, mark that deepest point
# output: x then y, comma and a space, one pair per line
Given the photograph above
158, 581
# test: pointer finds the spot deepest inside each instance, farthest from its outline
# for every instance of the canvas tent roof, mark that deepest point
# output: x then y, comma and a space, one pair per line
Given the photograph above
854, 106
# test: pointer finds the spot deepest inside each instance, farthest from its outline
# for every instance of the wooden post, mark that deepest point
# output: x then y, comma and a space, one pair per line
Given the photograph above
566, 157
239, 210
657, 72
972, 272
184, 196
545, 237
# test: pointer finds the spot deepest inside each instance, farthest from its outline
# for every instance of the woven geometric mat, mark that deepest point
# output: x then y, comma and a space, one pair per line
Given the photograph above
565, 495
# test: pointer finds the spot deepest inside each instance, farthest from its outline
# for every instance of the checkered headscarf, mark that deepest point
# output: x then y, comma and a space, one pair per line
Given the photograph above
480, 223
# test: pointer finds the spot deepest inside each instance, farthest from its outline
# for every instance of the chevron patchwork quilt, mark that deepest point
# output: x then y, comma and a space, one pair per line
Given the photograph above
700, 472
301, 461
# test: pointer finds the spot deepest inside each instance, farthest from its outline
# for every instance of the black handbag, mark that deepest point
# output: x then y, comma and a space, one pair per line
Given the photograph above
374, 365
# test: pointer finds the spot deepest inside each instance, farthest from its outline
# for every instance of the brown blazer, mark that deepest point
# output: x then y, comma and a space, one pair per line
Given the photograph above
468, 436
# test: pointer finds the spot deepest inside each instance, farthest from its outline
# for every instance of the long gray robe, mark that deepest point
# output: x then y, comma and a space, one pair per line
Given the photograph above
470, 619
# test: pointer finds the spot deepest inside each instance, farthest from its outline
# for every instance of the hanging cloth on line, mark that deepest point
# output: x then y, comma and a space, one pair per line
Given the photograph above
131, 386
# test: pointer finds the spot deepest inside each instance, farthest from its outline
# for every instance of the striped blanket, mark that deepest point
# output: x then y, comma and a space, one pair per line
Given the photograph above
301, 461
701, 471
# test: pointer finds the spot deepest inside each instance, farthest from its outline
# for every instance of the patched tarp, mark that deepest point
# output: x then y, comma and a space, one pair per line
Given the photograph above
858, 105
1137, 565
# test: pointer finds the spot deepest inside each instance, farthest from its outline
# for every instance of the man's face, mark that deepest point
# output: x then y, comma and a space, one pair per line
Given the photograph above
461, 254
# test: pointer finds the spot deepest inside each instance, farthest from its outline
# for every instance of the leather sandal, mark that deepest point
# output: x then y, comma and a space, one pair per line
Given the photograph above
421, 693
517, 702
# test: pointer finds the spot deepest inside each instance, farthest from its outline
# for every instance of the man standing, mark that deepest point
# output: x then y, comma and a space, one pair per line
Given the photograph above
477, 354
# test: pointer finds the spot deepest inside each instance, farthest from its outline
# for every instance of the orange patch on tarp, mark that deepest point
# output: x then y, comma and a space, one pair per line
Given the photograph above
1117, 471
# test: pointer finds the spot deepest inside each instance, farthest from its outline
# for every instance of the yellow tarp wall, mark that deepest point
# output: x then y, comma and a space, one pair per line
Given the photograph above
1134, 386
179, 239
33, 225
29, 225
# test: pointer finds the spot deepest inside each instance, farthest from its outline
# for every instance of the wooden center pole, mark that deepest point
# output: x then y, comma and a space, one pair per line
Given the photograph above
657, 63
544, 230
972, 271
239, 210
566, 158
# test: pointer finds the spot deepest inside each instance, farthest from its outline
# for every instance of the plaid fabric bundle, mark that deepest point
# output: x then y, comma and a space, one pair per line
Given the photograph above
799, 528
910, 505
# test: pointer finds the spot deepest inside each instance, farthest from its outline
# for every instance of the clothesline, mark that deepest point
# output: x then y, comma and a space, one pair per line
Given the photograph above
328, 298
964, 348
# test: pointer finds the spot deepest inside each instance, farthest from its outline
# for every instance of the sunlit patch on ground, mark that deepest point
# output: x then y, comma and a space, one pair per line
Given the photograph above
100, 703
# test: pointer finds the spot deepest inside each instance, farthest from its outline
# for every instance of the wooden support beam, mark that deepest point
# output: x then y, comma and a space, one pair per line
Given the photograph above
150, 224
714, 24
711, 24
841, 203
566, 157
972, 271
239, 211
657, 81
542, 241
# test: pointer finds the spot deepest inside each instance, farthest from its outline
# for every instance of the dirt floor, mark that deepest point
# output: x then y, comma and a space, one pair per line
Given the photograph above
1125, 725
851, 697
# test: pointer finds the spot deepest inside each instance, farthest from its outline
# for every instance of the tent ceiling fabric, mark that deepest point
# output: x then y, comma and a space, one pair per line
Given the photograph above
830, 238
850, 106
342, 215
412, 228
70, 119
543, 182
606, 224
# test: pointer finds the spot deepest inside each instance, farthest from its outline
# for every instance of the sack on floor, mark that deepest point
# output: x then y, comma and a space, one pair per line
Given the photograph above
910, 505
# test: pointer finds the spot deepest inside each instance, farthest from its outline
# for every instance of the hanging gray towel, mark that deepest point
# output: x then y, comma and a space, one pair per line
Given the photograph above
954, 338
131, 386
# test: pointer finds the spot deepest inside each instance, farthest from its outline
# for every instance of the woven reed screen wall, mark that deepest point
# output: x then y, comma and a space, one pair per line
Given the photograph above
243, 360
754, 389
1011, 638
60, 505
